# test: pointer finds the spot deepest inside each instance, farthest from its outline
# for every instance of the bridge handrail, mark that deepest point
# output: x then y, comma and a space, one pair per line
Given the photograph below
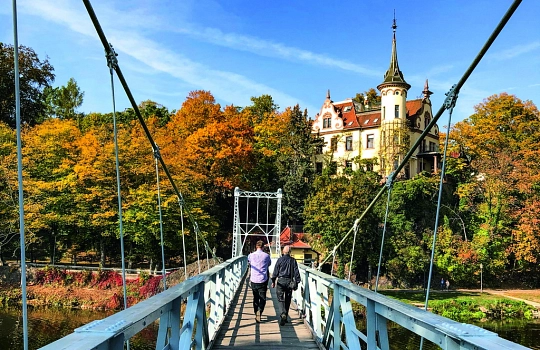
325, 303
213, 289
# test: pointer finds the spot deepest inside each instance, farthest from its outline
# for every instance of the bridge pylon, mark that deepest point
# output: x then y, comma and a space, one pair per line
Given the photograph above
264, 223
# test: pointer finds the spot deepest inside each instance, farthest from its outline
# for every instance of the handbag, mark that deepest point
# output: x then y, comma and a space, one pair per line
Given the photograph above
293, 284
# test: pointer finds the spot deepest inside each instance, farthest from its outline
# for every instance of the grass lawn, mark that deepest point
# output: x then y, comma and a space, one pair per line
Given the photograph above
418, 297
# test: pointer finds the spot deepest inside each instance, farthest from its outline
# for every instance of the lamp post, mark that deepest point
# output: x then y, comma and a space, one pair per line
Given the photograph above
481, 289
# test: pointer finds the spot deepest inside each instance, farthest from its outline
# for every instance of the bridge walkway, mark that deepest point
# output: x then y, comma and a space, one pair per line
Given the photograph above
241, 331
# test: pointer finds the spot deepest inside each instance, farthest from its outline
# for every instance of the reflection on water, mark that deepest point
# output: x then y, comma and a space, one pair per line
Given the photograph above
46, 325
524, 332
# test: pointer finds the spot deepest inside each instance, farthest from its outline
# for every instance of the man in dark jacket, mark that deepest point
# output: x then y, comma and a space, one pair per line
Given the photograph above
286, 268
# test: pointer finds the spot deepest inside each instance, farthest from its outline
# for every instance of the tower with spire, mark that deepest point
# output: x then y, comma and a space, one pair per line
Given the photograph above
380, 135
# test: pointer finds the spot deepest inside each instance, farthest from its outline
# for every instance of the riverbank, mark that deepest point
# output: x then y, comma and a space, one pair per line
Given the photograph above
100, 290
474, 305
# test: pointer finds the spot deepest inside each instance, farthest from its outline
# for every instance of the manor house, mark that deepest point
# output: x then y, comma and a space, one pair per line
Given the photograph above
378, 136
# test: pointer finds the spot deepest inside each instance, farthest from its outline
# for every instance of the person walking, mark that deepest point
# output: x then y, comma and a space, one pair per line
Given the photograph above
285, 271
259, 262
442, 284
447, 284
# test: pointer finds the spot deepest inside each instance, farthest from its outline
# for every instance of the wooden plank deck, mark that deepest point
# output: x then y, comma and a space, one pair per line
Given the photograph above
239, 329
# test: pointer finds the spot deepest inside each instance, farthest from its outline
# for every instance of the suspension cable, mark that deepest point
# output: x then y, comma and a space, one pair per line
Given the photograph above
156, 156
183, 240
19, 174
111, 62
450, 102
390, 185
441, 110
353, 246
197, 244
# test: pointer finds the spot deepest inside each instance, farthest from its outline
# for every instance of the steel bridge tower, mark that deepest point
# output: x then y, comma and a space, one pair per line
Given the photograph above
252, 225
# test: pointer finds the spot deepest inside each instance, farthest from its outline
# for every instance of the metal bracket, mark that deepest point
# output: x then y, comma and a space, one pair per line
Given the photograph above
452, 95
110, 54
157, 153
390, 179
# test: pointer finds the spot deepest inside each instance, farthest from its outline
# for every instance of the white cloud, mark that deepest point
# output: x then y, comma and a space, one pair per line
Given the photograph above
516, 51
271, 49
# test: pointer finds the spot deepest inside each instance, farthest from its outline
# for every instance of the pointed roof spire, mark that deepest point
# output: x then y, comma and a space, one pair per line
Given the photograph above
426, 91
393, 75
328, 94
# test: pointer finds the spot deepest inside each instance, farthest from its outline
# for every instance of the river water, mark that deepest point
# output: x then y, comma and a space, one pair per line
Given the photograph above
46, 325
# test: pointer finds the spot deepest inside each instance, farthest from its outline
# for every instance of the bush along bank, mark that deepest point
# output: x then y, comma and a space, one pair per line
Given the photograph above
52, 286
469, 310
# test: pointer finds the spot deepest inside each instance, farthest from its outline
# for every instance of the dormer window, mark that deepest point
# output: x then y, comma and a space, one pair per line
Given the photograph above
347, 109
367, 121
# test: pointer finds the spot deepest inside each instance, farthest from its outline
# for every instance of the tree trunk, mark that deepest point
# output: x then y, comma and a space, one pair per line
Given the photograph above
102, 253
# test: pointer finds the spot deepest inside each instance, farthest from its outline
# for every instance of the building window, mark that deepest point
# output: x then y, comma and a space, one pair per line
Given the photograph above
384, 112
369, 167
424, 148
333, 144
327, 122
432, 147
396, 113
318, 168
348, 164
426, 122
318, 149
348, 143
370, 141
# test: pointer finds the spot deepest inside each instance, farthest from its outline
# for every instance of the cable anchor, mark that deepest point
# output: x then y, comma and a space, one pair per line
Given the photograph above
451, 98
110, 54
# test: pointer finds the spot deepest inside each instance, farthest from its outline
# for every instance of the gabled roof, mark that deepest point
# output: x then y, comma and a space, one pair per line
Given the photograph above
369, 119
287, 237
413, 107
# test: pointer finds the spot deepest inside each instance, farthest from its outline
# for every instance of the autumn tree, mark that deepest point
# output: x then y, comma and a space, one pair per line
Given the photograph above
501, 141
49, 157
35, 76
9, 224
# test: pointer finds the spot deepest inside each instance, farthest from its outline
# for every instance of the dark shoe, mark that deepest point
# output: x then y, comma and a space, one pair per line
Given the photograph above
283, 320
258, 316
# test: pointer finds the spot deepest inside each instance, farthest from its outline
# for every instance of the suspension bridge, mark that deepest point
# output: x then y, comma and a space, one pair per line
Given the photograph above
213, 309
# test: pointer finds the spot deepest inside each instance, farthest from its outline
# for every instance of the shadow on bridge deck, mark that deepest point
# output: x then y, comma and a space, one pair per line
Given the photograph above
239, 329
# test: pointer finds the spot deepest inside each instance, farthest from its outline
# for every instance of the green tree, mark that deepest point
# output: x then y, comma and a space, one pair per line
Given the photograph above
62, 102
294, 164
332, 208
35, 76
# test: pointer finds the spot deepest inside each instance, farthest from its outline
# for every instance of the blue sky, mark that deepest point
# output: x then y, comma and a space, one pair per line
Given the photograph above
292, 50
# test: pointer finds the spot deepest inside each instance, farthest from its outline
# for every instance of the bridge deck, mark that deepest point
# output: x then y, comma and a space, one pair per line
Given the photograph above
239, 329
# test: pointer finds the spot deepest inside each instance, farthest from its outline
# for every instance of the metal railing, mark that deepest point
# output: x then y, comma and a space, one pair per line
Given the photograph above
207, 298
326, 304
